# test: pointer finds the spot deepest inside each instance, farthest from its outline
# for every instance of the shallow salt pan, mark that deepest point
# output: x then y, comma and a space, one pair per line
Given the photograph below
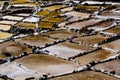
85, 75
36, 40
81, 24
8, 22
97, 2
31, 19
78, 14
16, 72
5, 27
4, 35
66, 49
67, 9
49, 65
26, 5
113, 45
110, 66
22, 14
54, 7
92, 2
12, 18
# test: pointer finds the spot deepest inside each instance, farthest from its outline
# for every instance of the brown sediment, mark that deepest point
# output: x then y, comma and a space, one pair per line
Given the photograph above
114, 30
53, 20
54, 14
102, 25
54, 7
10, 48
43, 13
110, 66
78, 14
26, 25
87, 8
110, 14
41, 63
85, 75
36, 40
91, 40
112, 45
48, 13
105, 23
61, 34
47, 25
94, 56
71, 45
81, 24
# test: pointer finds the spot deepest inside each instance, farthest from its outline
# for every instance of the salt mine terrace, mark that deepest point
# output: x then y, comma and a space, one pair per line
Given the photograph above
59, 40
